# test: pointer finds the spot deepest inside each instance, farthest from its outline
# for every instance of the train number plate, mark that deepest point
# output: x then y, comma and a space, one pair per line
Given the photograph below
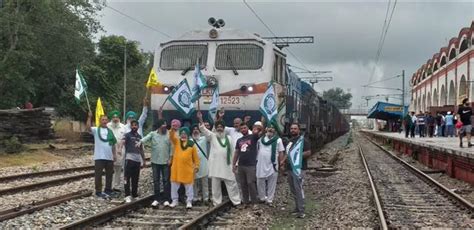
230, 100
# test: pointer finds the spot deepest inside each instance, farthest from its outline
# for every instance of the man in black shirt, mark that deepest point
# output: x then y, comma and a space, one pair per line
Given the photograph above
464, 114
246, 156
296, 181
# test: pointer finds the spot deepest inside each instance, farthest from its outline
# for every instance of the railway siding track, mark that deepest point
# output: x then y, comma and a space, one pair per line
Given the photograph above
26, 209
406, 197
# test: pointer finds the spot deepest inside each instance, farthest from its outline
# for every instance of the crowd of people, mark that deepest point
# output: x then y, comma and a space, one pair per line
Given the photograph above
441, 124
247, 159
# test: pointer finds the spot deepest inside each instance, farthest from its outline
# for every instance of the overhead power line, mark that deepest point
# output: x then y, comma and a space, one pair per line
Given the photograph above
383, 36
382, 80
139, 22
273, 33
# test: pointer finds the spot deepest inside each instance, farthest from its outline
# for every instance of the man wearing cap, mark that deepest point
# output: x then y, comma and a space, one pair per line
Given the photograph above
270, 152
220, 162
185, 163
119, 131
160, 161
130, 115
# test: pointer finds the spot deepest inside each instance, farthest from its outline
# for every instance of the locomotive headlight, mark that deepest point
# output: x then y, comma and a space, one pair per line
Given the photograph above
243, 88
166, 89
213, 33
250, 88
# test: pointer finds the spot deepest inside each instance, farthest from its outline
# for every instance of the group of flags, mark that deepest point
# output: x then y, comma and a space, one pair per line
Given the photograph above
183, 98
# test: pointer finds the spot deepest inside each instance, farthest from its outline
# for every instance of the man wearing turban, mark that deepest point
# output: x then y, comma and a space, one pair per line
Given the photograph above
130, 115
119, 131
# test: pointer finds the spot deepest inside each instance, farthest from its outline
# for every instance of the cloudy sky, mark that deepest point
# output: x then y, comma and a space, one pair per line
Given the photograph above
346, 32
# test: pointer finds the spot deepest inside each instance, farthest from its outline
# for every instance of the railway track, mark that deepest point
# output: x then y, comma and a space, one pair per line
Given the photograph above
33, 207
139, 215
46, 183
406, 197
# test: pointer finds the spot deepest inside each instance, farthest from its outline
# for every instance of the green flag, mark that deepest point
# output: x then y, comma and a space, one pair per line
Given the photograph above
81, 86
295, 155
181, 98
268, 106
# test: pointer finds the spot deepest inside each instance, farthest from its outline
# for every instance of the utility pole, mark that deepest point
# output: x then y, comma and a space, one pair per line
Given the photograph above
125, 81
403, 93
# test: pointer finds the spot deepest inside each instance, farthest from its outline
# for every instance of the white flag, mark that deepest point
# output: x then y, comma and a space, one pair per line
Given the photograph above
268, 106
295, 155
81, 86
199, 83
214, 104
181, 98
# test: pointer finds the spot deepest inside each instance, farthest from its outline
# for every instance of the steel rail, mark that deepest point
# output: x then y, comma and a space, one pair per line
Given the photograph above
45, 183
48, 172
378, 204
204, 218
109, 214
426, 178
44, 173
26, 209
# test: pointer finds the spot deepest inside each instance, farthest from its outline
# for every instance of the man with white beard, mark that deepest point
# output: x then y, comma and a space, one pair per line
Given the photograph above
220, 162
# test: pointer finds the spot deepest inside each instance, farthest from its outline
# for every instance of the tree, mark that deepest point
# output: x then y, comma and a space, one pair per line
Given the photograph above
41, 43
338, 97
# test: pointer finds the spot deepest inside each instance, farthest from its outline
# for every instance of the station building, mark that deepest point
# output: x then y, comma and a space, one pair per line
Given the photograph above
446, 78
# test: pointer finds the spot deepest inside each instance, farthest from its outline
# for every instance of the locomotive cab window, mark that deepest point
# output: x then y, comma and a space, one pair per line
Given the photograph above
181, 57
239, 57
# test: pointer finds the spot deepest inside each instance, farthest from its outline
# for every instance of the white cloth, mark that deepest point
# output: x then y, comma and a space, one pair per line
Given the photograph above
201, 187
119, 131
141, 122
117, 179
266, 187
203, 168
232, 191
175, 195
234, 134
217, 162
102, 150
264, 158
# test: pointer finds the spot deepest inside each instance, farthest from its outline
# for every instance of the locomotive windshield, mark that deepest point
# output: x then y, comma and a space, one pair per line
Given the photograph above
239, 56
181, 57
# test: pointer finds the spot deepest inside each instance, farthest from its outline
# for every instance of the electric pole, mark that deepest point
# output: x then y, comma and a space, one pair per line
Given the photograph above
125, 81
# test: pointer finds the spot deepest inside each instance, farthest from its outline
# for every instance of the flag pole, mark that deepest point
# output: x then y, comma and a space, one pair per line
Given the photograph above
88, 104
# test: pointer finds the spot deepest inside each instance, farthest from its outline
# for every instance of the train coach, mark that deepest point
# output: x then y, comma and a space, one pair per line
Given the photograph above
240, 65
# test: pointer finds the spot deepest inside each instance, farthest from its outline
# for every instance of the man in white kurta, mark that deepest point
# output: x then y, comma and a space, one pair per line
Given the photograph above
119, 131
270, 152
220, 163
201, 185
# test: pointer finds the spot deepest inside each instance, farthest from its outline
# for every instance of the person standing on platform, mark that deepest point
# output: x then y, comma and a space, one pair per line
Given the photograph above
296, 181
430, 123
413, 125
119, 131
201, 180
421, 121
185, 163
134, 160
220, 162
104, 155
407, 123
439, 120
160, 162
464, 114
246, 156
270, 153
449, 119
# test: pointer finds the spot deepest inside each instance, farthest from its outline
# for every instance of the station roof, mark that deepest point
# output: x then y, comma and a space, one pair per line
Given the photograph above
386, 111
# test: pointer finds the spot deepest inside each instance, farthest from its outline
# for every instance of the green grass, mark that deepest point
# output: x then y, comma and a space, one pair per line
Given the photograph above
29, 158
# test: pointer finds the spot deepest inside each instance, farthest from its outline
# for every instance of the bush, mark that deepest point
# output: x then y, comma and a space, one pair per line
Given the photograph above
13, 145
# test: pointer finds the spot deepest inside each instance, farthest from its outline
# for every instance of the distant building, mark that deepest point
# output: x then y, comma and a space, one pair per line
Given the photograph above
446, 78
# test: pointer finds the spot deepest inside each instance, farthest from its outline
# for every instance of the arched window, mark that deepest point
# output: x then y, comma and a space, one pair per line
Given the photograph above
435, 67
463, 46
452, 54
443, 61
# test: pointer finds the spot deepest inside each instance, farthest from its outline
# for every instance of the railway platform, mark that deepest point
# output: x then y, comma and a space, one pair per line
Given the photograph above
439, 153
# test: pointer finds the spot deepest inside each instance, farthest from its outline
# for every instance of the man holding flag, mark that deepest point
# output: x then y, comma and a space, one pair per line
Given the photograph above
104, 151
298, 150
